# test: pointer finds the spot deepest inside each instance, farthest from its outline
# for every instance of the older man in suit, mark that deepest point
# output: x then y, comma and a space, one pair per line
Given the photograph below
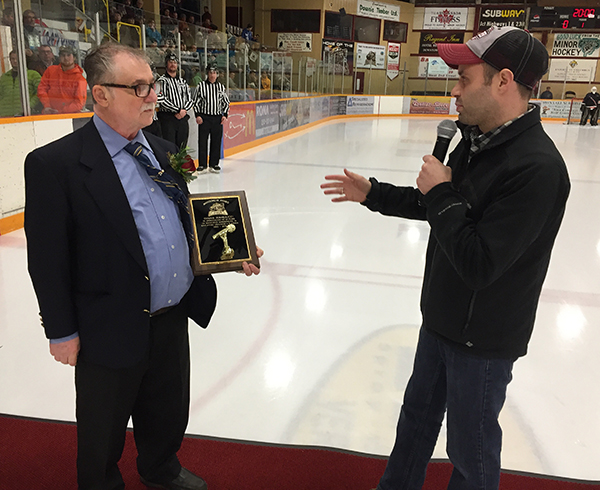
108, 253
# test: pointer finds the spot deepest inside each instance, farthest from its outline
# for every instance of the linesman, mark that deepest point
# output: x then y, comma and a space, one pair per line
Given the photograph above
174, 103
211, 106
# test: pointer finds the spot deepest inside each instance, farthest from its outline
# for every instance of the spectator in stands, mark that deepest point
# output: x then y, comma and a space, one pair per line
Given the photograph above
207, 24
152, 34
8, 18
155, 54
129, 35
115, 18
31, 31
589, 108
63, 88
138, 9
247, 33
253, 80
265, 81
10, 90
178, 7
547, 94
232, 83
206, 16
43, 59
186, 34
127, 9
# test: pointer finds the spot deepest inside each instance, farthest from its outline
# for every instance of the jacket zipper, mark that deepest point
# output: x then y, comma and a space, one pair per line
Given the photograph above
469, 313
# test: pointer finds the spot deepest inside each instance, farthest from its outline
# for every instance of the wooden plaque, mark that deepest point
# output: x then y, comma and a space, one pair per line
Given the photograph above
222, 232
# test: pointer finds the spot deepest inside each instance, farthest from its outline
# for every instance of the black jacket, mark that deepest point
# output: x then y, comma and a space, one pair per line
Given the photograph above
591, 99
492, 232
85, 256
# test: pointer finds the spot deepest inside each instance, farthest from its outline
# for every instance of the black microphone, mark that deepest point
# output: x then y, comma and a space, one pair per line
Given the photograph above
445, 132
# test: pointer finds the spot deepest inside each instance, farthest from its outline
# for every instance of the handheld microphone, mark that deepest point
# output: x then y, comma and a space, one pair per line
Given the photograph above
445, 132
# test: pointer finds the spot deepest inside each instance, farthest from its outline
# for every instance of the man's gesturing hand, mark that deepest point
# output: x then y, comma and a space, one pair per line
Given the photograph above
350, 187
433, 172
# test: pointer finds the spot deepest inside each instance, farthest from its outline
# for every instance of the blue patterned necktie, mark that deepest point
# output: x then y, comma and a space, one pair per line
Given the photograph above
168, 185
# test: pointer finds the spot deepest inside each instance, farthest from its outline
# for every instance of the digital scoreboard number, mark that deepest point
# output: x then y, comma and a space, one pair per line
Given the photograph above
564, 18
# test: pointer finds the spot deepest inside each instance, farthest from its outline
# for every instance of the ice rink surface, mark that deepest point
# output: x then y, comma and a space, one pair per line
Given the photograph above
317, 350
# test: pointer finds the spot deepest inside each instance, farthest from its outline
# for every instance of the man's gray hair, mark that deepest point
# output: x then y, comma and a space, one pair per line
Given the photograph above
99, 63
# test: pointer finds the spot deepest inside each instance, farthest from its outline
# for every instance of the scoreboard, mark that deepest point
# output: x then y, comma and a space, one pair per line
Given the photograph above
564, 18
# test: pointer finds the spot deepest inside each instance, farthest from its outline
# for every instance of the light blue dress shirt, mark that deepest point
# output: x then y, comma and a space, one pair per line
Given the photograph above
157, 219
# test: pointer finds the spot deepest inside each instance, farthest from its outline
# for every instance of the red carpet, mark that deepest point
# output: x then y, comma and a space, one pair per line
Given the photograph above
39, 455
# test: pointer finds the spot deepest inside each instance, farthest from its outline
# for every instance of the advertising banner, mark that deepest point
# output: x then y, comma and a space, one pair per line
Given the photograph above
435, 67
267, 119
337, 105
495, 16
428, 40
555, 109
393, 60
378, 10
359, 105
333, 54
370, 56
319, 108
429, 105
297, 42
576, 70
576, 45
239, 127
293, 113
437, 18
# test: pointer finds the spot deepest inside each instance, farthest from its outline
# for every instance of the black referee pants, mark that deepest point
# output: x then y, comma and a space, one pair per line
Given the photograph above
174, 130
211, 126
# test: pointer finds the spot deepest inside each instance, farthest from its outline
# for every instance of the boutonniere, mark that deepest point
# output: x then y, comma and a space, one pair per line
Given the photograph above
183, 164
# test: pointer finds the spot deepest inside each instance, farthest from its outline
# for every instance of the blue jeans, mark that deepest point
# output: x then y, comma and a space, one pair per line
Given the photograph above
473, 391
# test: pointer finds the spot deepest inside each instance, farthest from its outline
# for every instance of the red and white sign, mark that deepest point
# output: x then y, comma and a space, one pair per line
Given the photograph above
393, 60
239, 127
450, 19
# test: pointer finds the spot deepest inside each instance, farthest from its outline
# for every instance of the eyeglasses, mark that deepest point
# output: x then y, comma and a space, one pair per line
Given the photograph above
141, 90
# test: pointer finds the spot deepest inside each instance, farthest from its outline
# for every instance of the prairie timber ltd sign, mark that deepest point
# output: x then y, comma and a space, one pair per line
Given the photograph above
494, 16
428, 41
453, 19
378, 10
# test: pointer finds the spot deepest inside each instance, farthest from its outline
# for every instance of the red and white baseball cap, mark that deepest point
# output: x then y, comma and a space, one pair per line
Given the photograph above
501, 47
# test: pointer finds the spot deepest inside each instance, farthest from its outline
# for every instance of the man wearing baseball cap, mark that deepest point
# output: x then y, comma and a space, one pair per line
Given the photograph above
494, 212
63, 88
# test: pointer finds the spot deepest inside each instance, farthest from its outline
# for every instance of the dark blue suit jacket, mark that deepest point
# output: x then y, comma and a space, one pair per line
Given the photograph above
85, 256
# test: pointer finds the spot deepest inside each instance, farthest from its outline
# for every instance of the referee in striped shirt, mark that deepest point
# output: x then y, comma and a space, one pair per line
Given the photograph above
211, 106
174, 103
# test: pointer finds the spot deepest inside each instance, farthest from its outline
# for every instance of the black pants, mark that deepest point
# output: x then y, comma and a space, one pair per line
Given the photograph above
174, 130
211, 125
155, 393
592, 114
